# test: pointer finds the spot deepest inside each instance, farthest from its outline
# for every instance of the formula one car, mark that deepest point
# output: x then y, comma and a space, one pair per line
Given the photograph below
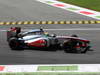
39, 39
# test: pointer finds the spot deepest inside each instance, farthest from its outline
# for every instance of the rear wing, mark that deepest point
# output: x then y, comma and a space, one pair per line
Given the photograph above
13, 32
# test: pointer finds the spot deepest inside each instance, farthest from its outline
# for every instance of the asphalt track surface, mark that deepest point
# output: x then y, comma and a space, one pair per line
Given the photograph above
22, 10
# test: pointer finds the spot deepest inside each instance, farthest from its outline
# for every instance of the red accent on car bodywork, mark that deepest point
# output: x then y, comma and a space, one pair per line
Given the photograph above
77, 46
13, 29
83, 45
38, 43
87, 41
76, 38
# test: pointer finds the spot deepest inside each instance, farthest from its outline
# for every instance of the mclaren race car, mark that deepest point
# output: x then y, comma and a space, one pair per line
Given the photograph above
39, 39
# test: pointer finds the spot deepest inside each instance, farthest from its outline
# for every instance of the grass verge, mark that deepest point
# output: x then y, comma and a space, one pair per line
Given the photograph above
90, 4
53, 73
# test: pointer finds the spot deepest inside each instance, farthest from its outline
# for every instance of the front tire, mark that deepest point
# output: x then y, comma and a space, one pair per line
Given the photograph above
69, 48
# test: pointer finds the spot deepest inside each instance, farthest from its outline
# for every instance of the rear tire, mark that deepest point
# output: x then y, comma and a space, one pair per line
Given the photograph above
15, 44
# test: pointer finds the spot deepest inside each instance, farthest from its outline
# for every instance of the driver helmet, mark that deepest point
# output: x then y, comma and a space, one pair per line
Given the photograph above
42, 31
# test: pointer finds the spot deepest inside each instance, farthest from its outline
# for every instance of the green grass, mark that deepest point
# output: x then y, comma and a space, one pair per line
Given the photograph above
90, 4
52, 73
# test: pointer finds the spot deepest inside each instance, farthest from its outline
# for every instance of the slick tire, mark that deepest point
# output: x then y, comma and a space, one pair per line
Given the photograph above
67, 51
67, 48
15, 44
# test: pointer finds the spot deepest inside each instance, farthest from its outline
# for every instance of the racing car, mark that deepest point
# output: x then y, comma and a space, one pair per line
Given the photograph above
40, 39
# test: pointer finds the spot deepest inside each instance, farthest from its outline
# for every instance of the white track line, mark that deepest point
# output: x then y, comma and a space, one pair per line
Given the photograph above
73, 8
71, 29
